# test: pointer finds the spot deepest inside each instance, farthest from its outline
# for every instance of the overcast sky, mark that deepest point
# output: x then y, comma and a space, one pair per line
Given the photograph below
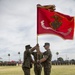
18, 28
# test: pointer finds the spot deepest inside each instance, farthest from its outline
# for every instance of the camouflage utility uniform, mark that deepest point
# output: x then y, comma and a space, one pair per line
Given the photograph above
37, 67
47, 64
27, 63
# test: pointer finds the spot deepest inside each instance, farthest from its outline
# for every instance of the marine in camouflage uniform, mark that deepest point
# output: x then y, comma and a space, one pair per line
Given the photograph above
37, 67
27, 63
46, 60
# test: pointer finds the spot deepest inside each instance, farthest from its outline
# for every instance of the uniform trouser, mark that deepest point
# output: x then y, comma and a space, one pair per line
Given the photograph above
26, 71
47, 70
37, 70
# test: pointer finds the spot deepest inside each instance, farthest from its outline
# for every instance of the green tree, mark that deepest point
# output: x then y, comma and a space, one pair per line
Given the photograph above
9, 56
60, 59
57, 53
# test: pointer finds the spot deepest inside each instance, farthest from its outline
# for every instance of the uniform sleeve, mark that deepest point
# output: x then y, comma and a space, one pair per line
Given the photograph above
24, 56
46, 54
32, 53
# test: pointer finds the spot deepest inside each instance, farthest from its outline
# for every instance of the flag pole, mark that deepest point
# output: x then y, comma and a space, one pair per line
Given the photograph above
37, 31
37, 26
37, 39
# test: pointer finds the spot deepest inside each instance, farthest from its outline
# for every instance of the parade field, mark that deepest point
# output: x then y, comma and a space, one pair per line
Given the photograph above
56, 70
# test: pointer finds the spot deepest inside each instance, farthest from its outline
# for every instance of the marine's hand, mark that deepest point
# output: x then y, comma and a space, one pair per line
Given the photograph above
37, 44
37, 47
38, 61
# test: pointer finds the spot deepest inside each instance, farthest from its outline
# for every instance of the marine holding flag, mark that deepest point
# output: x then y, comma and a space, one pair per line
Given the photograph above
46, 60
51, 22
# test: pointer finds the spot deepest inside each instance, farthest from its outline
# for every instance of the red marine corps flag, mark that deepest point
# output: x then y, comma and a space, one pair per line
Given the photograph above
51, 22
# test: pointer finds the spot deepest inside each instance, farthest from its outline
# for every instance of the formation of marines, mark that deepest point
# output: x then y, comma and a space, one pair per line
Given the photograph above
40, 59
